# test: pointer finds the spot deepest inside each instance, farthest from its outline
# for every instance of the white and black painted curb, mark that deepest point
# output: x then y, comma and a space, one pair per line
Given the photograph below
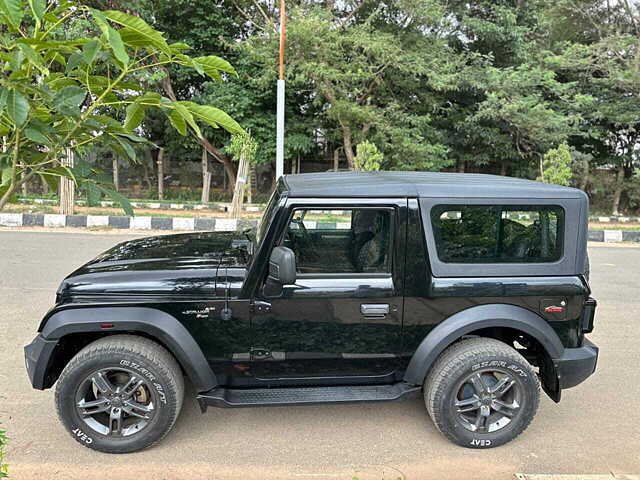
131, 223
208, 224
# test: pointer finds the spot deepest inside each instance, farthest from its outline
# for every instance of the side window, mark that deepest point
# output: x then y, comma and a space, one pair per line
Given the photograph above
354, 240
498, 233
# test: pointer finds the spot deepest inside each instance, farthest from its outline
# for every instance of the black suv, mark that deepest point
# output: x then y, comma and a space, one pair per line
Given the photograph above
354, 287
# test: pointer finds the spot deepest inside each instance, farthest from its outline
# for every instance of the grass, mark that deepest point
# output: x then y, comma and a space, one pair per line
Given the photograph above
4, 468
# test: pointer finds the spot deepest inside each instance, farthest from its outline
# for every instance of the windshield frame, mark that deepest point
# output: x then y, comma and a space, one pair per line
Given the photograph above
263, 226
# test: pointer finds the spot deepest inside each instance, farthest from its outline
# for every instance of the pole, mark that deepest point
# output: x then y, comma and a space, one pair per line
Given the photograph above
280, 98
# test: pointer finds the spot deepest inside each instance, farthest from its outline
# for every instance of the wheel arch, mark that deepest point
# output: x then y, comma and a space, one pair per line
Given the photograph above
73, 329
502, 322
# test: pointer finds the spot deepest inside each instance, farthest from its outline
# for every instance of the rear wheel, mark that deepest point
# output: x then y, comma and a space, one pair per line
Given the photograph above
120, 394
481, 393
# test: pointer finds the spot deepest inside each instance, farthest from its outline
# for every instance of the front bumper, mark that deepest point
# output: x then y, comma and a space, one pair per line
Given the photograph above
36, 358
576, 364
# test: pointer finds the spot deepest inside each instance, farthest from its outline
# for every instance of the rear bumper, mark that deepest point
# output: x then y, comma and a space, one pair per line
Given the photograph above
576, 364
36, 358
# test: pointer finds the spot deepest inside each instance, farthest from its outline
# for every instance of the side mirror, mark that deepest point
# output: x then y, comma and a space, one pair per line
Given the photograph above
282, 266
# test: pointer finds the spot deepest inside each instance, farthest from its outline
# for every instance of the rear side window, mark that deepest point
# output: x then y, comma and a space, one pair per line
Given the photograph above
498, 233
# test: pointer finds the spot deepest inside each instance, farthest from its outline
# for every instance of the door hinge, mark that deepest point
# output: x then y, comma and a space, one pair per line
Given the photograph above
260, 307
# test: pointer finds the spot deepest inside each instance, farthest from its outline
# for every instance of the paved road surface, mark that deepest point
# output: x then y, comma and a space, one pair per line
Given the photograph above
595, 430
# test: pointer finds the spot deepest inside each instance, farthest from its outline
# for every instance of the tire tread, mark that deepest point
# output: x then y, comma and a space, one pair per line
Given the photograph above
134, 345
453, 358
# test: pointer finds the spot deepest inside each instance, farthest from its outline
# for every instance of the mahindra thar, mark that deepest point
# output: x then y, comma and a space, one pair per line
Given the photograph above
470, 290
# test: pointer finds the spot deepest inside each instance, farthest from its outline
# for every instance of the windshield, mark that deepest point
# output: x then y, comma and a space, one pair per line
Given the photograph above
266, 217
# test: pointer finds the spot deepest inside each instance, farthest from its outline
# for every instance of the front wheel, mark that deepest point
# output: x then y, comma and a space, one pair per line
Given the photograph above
481, 393
120, 394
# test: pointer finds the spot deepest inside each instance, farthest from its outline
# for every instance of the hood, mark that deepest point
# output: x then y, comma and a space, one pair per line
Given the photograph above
169, 264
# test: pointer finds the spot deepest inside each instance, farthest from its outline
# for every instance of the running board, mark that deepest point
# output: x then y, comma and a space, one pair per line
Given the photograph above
265, 397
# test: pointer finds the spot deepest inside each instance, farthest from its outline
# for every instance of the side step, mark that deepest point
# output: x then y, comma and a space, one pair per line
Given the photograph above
259, 397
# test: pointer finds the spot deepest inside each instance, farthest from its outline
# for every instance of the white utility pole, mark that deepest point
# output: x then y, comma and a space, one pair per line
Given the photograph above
280, 100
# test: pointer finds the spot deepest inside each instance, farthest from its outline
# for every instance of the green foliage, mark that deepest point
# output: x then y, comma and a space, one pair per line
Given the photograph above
368, 157
556, 166
243, 146
71, 74
4, 468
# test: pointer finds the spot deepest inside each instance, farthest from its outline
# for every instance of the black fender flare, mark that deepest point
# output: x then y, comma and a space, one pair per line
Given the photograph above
475, 318
154, 323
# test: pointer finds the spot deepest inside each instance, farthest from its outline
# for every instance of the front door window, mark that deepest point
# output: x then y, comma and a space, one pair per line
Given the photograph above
340, 241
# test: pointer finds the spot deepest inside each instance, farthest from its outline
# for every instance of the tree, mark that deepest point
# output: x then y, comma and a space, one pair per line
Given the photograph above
72, 80
597, 53
243, 148
368, 157
556, 166
371, 74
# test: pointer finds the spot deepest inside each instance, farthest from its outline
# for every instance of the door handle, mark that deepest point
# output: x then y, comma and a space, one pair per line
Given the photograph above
378, 310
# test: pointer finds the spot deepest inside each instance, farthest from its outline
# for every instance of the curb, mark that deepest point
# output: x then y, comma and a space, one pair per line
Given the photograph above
123, 223
210, 224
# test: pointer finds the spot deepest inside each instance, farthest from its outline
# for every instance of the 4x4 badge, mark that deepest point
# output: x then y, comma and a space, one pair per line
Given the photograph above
553, 309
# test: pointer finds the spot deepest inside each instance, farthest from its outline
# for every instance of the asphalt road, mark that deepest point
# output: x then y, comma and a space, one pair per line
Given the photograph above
594, 430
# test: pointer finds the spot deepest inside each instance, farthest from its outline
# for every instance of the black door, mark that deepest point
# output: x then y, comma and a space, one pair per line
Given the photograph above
343, 317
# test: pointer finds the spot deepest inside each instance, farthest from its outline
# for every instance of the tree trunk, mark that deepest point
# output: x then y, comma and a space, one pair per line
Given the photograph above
116, 174
336, 160
239, 190
348, 147
148, 161
206, 178
224, 160
161, 174
503, 169
251, 183
617, 193
25, 190
45, 186
462, 166
584, 180
67, 187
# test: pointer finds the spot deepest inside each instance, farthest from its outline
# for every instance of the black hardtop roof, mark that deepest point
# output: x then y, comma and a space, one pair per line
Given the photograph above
420, 184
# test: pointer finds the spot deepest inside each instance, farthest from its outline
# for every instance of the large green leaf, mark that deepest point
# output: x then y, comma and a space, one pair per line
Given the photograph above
74, 60
184, 112
213, 117
13, 11
135, 115
138, 30
178, 122
3, 97
112, 36
38, 8
118, 198
90, 50
150, 99
117, 46
213, 65
34, 57
68, 99
5, 176
35, 136
17, 107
